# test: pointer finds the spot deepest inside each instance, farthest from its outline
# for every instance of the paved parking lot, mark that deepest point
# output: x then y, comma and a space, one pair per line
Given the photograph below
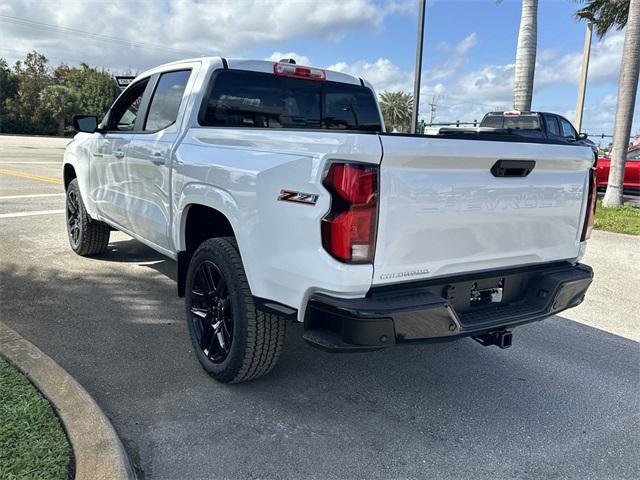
563, 402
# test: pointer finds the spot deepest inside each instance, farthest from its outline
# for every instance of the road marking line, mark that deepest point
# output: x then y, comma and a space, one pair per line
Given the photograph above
30, 163
42, 178
29, 214
16, 197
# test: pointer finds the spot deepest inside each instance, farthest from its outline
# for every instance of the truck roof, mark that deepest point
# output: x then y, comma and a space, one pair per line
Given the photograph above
265, 66
523, 112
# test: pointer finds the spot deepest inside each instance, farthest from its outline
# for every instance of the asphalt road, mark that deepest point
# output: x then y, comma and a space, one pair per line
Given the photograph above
563, 402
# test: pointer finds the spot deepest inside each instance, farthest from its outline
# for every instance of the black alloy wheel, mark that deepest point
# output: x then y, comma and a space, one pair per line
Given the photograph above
233, 340
74, 223
211, 312
86, 236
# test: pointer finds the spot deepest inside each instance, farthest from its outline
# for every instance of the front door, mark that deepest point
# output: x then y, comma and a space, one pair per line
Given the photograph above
108, 175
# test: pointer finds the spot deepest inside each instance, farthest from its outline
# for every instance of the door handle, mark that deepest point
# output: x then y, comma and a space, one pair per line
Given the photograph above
118, 153
157, 158
512, 168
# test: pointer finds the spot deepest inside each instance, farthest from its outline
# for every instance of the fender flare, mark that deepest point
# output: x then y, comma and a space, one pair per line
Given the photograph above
206, 196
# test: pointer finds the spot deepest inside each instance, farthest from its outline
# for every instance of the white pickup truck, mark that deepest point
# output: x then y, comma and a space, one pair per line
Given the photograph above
276, 189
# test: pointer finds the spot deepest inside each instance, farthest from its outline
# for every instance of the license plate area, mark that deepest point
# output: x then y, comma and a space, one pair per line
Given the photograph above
481, 296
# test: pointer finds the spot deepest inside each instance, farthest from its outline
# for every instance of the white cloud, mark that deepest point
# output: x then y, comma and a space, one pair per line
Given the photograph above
386, 75
467, 96
300, 59
383, 74
455, 61
124, 34
604, 64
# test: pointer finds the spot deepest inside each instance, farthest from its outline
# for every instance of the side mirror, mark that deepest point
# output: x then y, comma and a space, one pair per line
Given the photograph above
85, 123
582, 136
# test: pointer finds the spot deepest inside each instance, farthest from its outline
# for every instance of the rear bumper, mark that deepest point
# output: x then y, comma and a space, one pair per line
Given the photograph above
442, 309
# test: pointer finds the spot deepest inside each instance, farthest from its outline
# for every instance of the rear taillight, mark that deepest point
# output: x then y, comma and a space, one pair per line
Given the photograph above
591, 207
349, 229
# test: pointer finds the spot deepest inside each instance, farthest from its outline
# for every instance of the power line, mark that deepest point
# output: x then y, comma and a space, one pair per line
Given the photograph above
94, 36
67, 60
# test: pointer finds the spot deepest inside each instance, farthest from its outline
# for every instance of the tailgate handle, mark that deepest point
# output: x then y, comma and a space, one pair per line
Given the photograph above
512, 168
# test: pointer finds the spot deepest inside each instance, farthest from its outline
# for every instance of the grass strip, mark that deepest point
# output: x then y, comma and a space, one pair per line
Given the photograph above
33, 444
622, 219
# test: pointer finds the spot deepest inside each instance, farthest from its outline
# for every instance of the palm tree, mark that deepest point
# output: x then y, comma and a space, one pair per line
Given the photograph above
606, 14
60, 102
396, 110
526, 56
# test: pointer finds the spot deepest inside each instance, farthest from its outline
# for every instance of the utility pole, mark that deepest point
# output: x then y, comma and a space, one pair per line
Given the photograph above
432, 111
582, 87
418, 74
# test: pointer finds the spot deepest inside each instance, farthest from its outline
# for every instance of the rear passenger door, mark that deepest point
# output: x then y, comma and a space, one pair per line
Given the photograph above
151, 155
552, 127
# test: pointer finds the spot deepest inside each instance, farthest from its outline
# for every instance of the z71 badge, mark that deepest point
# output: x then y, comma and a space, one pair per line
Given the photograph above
298, 197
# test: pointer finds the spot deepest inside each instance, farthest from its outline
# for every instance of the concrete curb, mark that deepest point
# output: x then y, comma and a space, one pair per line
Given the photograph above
98, 452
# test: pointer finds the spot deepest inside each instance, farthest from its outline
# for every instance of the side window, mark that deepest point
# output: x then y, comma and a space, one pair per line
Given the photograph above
567, 129
492, 121
166, 100
634, 155
125, 111
350, 107
552, 125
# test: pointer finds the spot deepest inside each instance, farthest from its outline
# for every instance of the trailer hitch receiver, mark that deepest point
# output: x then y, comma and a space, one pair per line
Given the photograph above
501, 338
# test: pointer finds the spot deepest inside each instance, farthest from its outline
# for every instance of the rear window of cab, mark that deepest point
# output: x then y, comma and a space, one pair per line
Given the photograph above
239, 98
517, 122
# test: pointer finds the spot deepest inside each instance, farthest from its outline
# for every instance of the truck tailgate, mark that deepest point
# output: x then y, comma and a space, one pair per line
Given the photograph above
443, 211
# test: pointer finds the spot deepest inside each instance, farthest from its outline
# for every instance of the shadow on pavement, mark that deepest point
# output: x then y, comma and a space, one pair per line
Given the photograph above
132, 251
562, 402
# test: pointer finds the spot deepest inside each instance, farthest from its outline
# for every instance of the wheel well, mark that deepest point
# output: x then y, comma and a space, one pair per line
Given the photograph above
201, 224
69, 174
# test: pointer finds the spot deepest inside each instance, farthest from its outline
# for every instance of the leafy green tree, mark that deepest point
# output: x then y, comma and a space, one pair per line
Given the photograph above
33, 76
605, 15
96, 89
8, 83
396, 109
60, 102
8, 89
28, 105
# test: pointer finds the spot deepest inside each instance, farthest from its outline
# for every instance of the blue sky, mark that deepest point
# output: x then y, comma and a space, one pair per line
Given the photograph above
468, 54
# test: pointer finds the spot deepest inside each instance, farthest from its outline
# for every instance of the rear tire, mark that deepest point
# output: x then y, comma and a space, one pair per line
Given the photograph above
234, 342
86, 236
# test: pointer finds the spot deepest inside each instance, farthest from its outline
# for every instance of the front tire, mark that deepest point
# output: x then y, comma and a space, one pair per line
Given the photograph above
234, 342
86, 236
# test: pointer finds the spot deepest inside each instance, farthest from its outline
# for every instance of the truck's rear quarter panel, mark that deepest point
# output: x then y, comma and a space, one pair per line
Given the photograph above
241, 172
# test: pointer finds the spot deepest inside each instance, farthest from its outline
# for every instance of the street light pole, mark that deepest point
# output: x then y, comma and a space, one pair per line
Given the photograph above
418, 74
582, 87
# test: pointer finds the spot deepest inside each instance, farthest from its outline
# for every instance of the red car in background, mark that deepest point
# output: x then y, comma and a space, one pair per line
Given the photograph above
631, 171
